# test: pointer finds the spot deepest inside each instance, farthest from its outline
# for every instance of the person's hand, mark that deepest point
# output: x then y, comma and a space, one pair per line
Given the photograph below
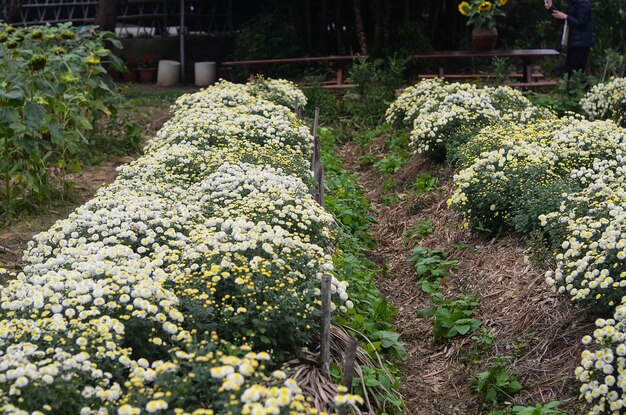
559, 15
547, 3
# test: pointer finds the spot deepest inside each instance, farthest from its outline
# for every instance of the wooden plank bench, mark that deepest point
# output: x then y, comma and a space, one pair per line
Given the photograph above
527, 57
339, 62
514, 75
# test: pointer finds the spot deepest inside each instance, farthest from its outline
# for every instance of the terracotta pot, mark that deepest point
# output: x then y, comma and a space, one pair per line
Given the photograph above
147, 75
115, 75
483, 39
130, 75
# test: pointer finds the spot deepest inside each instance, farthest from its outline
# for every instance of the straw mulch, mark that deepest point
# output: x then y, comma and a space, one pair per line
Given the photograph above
539, 329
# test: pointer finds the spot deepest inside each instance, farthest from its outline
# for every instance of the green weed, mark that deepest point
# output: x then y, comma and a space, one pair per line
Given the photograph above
452, 317
425, 183
496, 384
419, 231
539, 409
431, 264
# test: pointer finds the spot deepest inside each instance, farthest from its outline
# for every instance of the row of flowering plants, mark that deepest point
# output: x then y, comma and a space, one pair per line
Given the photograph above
606, 101
53, 87
557, 180
183, 286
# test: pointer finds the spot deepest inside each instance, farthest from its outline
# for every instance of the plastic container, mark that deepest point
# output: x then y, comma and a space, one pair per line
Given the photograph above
205, 73
169, 73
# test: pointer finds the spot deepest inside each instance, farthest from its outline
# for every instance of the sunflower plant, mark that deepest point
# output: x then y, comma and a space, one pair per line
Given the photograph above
482, 13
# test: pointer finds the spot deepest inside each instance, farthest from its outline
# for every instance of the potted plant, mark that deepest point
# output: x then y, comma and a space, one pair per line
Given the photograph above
481, 15
131, 73
147, 68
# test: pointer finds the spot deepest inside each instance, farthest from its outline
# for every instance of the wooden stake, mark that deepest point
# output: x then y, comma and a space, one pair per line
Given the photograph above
318, 176
315, 157
316, 121
349, 362
325, 328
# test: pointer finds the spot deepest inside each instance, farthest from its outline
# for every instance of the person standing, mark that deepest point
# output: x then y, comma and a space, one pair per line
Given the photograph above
577, 35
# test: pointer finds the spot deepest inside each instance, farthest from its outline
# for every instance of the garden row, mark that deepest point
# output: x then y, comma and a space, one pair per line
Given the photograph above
560, 182
183, 286
53, 90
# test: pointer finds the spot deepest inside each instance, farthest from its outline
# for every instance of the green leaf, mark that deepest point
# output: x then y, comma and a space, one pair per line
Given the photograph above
14, 94
425, 312
9, 115
370, 381
33, 115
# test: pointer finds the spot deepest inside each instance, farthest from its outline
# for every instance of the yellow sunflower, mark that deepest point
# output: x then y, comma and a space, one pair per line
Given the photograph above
464, 8
503, 2
485, 6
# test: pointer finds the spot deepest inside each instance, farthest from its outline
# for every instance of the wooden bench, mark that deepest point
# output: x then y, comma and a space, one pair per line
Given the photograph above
529, 79
527, 56
339, 63
514, 75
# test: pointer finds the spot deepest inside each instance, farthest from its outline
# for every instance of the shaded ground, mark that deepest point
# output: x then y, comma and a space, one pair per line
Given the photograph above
538, 330
146, 105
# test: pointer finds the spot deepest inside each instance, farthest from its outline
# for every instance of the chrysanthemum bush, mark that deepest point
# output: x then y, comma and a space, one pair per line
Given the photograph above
602, 367
590, 263
182, 285
607, 101
562, 178
444, 115
535, 155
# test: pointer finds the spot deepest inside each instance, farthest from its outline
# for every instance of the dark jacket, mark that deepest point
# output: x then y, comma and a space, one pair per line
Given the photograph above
579, 22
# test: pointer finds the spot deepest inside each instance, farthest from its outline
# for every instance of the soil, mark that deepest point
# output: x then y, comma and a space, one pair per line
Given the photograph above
538, 330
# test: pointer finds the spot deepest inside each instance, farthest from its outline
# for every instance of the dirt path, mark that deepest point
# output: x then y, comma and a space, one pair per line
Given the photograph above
538, 330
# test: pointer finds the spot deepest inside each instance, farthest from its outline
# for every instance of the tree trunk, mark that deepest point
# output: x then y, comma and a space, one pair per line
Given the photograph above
106, 17
378, 26
360, 28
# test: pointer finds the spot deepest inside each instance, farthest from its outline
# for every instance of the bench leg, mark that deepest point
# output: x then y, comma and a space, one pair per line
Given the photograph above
527, 70
339, 75
440, 72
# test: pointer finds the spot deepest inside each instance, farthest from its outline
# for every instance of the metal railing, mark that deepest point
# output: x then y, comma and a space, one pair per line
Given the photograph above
143, 18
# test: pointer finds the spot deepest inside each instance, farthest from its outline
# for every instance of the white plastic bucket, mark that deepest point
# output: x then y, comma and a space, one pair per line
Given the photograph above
169, 73
205, 73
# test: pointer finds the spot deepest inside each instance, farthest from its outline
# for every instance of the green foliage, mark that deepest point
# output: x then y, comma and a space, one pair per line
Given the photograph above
502, 68
539, 409
420, 230
319, 97
375, 89
566, 98
53, 89
425, 183
538, 200
397, 146
389, 164
115, 138
345, 201
431, 264
372, 314
496, 384
269, 36
367, 159
366, 137
452, 317
481, 340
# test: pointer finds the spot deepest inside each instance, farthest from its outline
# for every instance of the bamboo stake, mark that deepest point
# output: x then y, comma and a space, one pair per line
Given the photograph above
349, 362
325, 328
